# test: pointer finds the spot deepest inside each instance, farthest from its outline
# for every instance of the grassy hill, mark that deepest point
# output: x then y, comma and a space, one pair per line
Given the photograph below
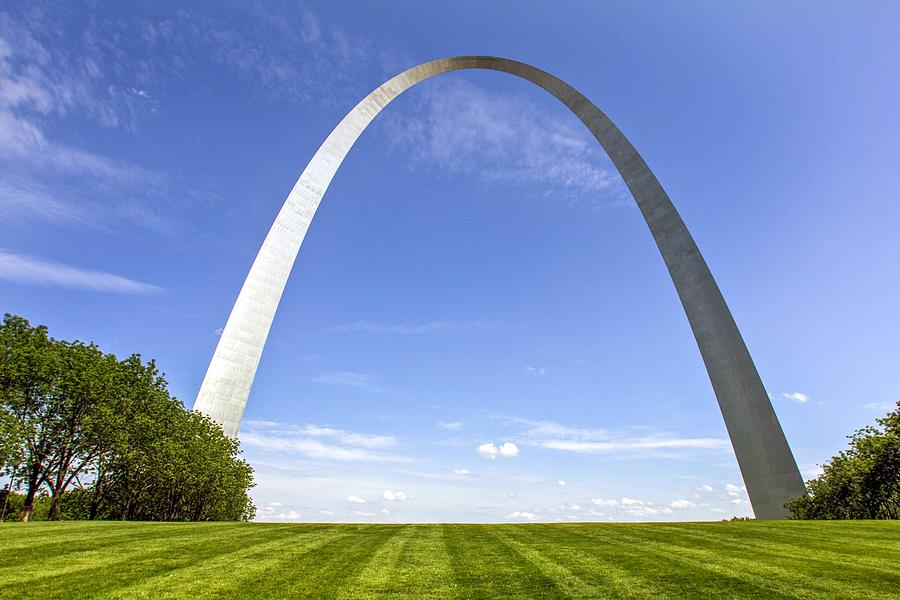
254, 560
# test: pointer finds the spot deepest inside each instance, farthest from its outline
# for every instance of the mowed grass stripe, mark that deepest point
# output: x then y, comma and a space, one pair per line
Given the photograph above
684, 570
619, 566
413, 563
875, 560
801, 565
240, 567
66, 533
94, 566
36, 560
736, 570
583, 574
818, 535
319, 574
356, 562
377, 574
566, 582
484, 566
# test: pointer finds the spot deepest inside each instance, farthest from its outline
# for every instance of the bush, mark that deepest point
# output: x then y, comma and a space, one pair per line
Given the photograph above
862, 482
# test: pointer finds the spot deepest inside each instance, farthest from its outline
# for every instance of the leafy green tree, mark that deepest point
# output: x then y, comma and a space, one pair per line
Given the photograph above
862, 482
29, 372
89, 436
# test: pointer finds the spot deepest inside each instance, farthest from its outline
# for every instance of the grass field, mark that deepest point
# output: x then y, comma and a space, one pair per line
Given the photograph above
627, 560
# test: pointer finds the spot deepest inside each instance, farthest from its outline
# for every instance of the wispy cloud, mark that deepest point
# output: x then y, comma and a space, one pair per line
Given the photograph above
395, 496
20, 268
796, 396
451, 425
538, 371
556, 436
49, 75
647, 443
284, 51
881, 405
317, 442
522, 514
343, 436
460, 127
416, 329
349, 379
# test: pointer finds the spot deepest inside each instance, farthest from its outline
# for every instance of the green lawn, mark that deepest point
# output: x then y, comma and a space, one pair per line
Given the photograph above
254, 560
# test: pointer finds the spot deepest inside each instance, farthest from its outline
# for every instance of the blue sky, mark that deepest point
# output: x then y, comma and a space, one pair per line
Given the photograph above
479, 326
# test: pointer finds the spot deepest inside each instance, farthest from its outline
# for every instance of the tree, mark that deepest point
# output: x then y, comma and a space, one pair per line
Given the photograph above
29, 371
862, 482
91, 436
12, 440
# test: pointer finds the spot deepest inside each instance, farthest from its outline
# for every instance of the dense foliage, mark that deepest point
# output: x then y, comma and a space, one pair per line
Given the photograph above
862, 482
90, 436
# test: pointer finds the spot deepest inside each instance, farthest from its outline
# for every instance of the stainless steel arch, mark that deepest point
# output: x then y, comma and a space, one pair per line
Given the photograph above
765, 459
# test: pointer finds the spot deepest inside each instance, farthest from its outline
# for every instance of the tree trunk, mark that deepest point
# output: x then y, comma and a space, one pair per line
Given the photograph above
96, 498
28, 508
53, 514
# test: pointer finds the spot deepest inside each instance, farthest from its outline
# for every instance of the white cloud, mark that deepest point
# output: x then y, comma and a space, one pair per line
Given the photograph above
385, 511
705, 488
796, 396
462, 128
647, 511
634, 444
356, 500
679, 504
632, 502
451, 425
509, 450
880, 406
602, 502
349, 379
317, 442
561, 482
732, 489
595, 513
347, 437
462, 472
29, 270
487, 450
556, 436
522, 515
392, 496
491, 451
535, 371
363, 513
420, 329
811, 470
47, 75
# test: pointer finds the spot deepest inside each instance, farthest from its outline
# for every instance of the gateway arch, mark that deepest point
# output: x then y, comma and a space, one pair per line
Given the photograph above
765, 459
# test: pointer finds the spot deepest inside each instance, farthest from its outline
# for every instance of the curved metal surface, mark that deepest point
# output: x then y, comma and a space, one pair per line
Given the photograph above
765, 459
